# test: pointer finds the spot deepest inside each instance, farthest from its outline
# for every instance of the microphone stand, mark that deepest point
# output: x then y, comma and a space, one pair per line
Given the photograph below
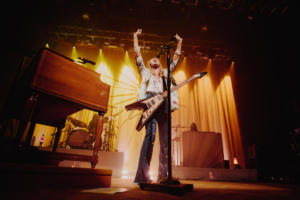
166, 48
170, 180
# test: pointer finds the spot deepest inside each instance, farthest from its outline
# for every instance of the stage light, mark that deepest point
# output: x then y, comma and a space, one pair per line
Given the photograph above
211, 175
152, 176
125, 174
202, 55
106, 75
113, 46
235, 161
204, 28
85, 17
74, 54
236, 164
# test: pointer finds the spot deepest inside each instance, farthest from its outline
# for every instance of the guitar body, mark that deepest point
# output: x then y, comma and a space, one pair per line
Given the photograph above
149, 106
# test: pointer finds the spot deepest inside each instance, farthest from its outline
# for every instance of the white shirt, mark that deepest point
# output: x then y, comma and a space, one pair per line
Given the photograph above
151, 83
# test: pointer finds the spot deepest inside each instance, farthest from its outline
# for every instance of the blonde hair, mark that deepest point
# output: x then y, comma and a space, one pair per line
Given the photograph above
161, 73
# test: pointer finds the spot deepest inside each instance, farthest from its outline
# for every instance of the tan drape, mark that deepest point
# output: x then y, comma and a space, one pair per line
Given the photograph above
210, 103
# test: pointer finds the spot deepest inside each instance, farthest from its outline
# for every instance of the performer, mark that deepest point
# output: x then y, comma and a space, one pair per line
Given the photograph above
154, 82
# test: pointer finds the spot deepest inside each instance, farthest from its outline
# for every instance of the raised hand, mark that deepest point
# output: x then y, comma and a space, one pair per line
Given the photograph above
138, 32
135, 41
178, 38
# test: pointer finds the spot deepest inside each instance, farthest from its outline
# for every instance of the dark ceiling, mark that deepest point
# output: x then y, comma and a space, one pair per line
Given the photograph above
213, 24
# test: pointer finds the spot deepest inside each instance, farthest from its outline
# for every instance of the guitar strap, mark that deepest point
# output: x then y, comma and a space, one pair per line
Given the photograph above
174, 97
165, 107
164, 83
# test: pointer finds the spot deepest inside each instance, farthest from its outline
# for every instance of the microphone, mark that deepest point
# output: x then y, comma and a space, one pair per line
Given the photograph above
171, 42
173, 39
166, 46
86, 61
160, 52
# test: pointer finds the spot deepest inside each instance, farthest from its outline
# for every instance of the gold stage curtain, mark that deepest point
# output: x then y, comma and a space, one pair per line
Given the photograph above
210, 103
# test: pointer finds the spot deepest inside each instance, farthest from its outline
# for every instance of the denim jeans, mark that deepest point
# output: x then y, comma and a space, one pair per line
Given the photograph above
142, 174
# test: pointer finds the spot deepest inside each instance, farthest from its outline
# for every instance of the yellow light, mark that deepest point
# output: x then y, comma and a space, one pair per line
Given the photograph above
235, 161
47, 45
179, 76
105, 72
74, 54
152, 176
128, 76
100, 56
126, 58
125, 174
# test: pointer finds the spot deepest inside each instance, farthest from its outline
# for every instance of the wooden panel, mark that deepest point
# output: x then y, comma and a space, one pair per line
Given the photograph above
28, 176
53, 111
202, 149
61, 77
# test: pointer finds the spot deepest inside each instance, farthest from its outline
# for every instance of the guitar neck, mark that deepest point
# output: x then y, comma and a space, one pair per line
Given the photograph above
178, 86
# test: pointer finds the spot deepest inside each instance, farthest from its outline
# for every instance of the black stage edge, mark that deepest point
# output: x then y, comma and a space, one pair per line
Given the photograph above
174, 188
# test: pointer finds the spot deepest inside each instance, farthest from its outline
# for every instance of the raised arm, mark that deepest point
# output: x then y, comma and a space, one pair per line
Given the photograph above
177, 53
136, 42
138, 57
178, 48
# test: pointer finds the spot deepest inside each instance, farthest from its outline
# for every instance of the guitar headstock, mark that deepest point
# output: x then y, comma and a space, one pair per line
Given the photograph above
199, 75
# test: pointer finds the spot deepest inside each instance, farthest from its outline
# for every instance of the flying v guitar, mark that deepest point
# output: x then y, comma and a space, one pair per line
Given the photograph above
151, 104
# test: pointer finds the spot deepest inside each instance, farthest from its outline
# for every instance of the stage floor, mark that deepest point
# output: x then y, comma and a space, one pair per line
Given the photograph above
126, 189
